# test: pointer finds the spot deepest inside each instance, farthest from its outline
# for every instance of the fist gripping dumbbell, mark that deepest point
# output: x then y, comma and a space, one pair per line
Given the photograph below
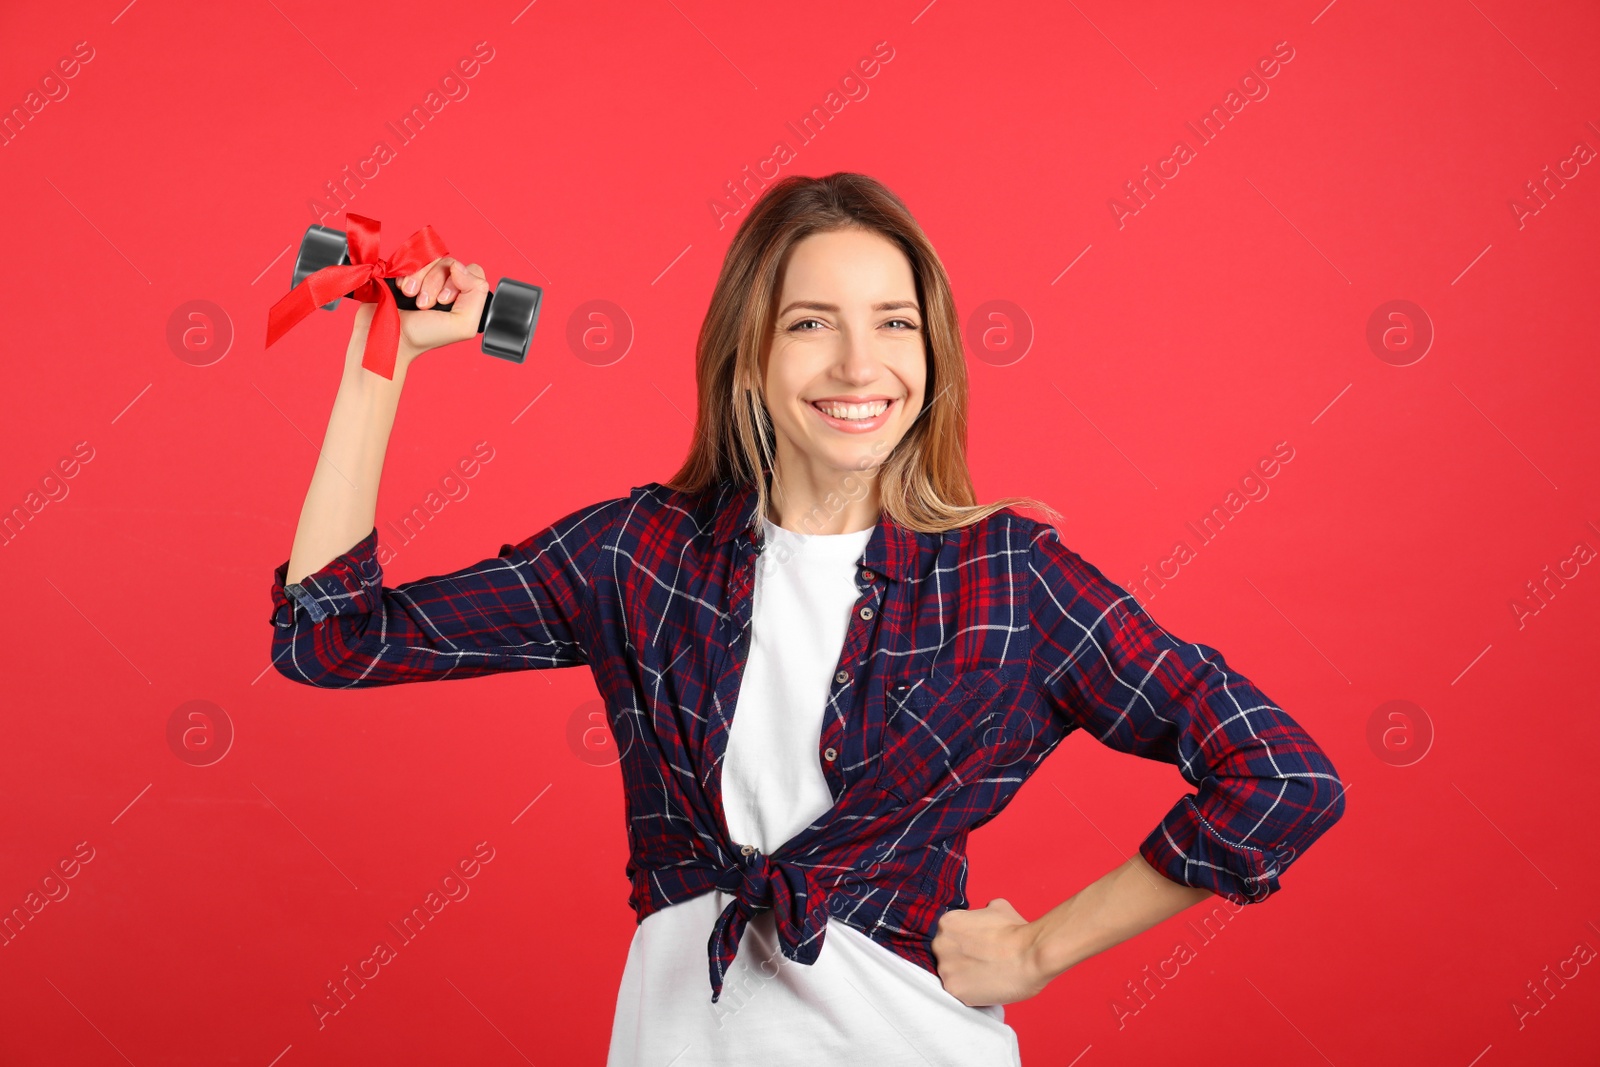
510, 312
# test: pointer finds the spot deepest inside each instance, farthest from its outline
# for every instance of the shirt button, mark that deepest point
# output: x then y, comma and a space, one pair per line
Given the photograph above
866, 613
842, 677
747, 849
867, 575
830, 754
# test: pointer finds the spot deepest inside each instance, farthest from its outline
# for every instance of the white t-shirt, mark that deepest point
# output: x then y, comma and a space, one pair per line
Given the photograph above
859, 1002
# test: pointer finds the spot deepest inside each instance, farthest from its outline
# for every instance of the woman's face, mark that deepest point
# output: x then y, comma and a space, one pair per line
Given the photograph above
847, 367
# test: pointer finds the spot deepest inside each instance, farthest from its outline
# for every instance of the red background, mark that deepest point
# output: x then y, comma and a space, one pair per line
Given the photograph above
1229, 314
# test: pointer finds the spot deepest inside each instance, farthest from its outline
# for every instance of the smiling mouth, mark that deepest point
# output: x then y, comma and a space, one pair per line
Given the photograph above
852, 412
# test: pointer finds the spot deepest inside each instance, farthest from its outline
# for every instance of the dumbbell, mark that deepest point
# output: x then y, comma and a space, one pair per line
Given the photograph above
510, 311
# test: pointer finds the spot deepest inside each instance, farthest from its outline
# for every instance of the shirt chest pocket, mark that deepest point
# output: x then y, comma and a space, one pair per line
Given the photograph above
940, 733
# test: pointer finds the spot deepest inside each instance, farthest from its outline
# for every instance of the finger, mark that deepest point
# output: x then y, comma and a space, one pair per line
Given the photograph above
462, 280
410, 282
433, 281
465, 279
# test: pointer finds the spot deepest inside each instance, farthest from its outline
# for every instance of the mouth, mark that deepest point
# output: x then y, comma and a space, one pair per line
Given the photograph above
854, 418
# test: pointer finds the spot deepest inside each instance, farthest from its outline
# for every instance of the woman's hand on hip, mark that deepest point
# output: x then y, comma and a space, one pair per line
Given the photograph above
986, 956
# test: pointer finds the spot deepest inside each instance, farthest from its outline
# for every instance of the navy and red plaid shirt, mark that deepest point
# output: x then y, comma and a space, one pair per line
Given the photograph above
969, 656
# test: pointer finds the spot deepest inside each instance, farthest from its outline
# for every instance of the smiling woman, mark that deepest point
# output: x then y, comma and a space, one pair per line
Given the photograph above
830, 295
825, 663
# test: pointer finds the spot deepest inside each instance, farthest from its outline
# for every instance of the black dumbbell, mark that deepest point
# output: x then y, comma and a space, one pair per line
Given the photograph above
510, 312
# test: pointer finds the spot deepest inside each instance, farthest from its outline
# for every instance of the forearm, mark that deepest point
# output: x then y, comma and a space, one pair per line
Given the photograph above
1128, 900
341, 504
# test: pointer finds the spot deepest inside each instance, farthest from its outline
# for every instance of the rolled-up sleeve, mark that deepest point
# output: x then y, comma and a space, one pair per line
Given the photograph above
528, 607
1265, 790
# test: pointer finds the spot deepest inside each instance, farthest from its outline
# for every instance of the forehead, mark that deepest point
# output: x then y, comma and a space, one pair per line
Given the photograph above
847, 264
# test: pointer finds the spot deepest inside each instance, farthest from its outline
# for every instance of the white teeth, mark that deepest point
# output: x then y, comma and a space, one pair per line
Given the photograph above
855, 411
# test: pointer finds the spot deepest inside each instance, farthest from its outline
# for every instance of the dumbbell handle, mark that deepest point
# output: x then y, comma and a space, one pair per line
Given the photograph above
506, 324
409, 303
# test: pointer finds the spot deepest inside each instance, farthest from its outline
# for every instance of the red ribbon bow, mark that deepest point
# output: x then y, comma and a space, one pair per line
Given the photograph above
362, 279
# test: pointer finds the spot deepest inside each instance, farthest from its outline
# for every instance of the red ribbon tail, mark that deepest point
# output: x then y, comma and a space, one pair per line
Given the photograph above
362, 279
383, 336
316, 289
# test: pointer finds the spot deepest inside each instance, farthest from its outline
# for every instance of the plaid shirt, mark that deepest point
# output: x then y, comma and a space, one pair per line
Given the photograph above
969, 656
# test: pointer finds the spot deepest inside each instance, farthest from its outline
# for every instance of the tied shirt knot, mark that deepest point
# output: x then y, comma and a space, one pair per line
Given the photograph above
759, 882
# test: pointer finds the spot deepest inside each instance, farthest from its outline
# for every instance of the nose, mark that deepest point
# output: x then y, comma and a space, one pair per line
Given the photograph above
858, 359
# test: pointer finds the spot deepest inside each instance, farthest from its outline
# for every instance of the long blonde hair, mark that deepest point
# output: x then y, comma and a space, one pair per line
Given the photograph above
924, 483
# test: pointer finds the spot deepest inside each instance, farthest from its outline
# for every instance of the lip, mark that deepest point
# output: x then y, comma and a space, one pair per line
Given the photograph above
877, 422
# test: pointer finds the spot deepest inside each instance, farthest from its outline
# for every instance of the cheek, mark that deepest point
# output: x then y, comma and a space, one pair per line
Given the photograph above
787, 375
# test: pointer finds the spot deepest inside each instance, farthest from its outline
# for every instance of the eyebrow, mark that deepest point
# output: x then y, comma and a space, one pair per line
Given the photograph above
813, 305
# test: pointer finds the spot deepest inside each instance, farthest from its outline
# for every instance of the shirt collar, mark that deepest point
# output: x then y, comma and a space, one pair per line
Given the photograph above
892, 550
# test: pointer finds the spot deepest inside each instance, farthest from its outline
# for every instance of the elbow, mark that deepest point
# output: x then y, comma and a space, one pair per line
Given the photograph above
1320, 804
299, 656
1327, 801
1334, 803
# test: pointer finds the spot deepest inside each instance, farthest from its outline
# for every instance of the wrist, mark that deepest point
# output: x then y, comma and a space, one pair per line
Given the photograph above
1050, 951
355, 362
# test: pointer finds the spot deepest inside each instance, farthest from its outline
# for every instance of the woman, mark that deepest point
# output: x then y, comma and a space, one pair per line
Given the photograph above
824, 665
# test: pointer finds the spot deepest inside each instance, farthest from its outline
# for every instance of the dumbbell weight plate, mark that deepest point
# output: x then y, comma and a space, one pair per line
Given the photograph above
510, 318
322, 246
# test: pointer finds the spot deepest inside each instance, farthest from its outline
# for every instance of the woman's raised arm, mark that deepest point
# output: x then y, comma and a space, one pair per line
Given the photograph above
334, 622
342, 503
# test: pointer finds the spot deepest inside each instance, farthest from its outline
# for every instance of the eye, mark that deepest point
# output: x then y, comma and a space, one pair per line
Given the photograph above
802, 322
909, 323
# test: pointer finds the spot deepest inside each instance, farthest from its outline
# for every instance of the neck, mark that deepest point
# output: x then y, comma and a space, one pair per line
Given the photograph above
836, 502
